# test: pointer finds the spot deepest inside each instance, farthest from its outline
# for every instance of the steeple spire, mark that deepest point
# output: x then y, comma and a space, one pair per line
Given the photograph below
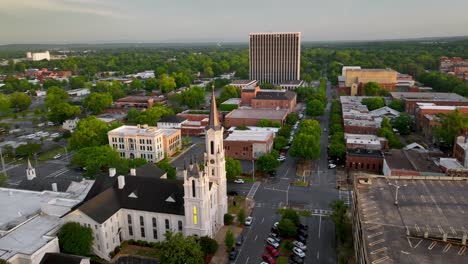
29, 164
214, 120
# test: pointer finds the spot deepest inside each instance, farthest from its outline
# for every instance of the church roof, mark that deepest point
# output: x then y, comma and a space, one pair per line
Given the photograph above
213, 121
60, 258
150, 170
139, 193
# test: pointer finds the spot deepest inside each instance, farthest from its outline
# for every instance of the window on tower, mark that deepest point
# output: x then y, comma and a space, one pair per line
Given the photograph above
195, 215
212, 147
193, 188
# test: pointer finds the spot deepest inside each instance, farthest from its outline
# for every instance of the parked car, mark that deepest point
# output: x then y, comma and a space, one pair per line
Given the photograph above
281, 158
232, 193
303, 233
272, 173
296, 259
272, 251
331, 166
58, 156
301, 239
298, 252
238, 181
275, 236
275, 225
302, 226
248, 221
270, 241
269, 259
233, 254
240, 240
299, 245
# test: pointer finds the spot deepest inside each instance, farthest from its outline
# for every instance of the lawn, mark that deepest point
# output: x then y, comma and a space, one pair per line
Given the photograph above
48, 155
282, 260
148, 252
301, 183
246, 178
286, 247
234, 209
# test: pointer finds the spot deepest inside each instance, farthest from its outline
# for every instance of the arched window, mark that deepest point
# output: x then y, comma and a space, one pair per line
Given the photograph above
155, 229
180, 226
167, 224
193, 188
212, 147
213, 172
195, 215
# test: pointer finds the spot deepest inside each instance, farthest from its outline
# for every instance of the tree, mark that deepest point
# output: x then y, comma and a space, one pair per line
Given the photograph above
398, 105
265, 85
96, 102
372, 89
19, 101
4, 104
95, 158
55, 95
152, 115
168, 168
315, 108
90, 132
136, 85
280, 142
292, 215
193, 97
402, 123
310, 127
264, 123
386, 123
208, 245
229, 239
132, 115
75, 239
287, 228
285, 131
241, 216
3, 179
151, 84
228, 218
337, 148
233, 168
451, 125
27, 150
62, 111
181, 79
267, 163
292, 118
373, 103
305, 146
77, 82
229, 91
166, 83
179, 249
47, 83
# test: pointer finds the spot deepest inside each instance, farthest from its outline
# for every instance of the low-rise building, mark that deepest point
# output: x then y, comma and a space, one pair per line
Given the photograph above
251, 117
141, 102
367, 142
70, 124
241, 84
291, 85
354, 78
79, 92
174, 121
411, 99
410, 162
247, 144
460, 150
172, 141
364, 159
141, 141
268, 99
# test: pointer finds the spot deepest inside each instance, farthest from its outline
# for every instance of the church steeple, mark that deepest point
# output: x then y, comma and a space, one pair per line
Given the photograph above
30, 171
213, 120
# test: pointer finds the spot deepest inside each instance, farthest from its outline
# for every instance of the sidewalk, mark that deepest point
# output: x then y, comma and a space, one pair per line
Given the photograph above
221, 255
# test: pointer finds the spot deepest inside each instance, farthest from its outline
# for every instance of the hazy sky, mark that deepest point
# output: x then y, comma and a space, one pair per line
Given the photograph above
72, 21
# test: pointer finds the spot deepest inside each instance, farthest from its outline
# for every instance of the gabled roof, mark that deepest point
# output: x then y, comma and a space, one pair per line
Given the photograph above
150, 170
61, 258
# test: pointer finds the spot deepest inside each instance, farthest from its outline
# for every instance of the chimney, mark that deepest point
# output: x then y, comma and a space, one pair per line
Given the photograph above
112, 172
54, 187
133, 171
121, 181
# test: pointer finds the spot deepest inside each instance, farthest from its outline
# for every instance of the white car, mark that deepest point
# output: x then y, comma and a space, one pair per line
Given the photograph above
54, 135
299, 245
281, 158
58, 156
331, 166
50, 123
238, 181
270, 241
248, 221
275, 225
297, 251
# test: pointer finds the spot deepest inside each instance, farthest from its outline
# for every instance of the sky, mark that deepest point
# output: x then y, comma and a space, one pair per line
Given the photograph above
108, 21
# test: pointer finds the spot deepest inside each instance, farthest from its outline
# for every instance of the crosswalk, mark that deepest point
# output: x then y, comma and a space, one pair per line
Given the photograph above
253, 190
346, 197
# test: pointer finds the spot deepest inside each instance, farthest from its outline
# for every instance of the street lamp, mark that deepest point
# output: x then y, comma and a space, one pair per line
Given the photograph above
397, 187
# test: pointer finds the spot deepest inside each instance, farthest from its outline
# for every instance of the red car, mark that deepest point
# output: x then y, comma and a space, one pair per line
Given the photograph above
272, 251
266, 257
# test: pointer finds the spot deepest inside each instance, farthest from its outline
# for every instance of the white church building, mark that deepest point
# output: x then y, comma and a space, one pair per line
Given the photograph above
144, 205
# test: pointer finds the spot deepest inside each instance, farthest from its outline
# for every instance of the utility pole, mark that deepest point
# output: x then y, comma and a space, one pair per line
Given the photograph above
397, 187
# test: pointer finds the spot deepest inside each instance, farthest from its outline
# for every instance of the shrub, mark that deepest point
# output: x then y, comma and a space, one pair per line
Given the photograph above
75, 239
228, 218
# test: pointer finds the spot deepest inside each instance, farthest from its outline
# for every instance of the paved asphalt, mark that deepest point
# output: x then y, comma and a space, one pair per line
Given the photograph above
277, 192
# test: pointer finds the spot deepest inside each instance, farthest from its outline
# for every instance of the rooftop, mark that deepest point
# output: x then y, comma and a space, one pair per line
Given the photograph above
141, 130
234, 101
384, 111
275, 95
395, 234
135, 99
258, 113
169, 131
249, 135
376, 153
242, 82
172, 119
291, 82
412, 160
370, 70
428, 96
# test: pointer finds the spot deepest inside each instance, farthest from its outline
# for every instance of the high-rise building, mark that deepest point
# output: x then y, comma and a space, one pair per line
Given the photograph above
275, 57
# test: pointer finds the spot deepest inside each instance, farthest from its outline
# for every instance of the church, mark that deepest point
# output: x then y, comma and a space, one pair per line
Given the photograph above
144, 205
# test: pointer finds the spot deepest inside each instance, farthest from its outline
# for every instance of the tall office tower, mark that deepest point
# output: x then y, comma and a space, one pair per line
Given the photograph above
275, 57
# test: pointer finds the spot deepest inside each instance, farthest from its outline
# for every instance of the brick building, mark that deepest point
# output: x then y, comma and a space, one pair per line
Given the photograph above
247, 144
270, 99
195, 122
135, 102
411, 99
367, 160
251, 117
410, 162
460, 150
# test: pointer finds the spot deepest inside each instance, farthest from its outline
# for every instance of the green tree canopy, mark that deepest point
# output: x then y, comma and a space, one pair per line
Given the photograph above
280, 142
62, 111
267, 163
55, 95
229, 91
96, 102
403, 123
315, 107
166, 83
291, 118
75, 239
152, 115
90, 132
179, 249
208, 245
398, 105
241, 216
151, 84
233, 168
372, 89
77, 82
27, 150
19, 101
305, 147
292, 215
287, 228
451, 125
229, 239
373, 103
4, 104
3, 179
168, 168
193, 97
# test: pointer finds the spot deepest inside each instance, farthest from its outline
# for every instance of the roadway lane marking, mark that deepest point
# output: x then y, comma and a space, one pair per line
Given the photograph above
253, 190
247, 261
263, 219
256, 237
320, 224
318, 254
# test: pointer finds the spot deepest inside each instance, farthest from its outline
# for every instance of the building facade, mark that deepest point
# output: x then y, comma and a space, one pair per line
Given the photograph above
139, 141
247, 144
275, 57
172, 141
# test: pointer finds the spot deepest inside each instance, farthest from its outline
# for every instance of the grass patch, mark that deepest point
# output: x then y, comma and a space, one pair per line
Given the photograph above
304, 213
148, 252
282, 260
301, 183
51, 153
247, 178
285, 248
234, 209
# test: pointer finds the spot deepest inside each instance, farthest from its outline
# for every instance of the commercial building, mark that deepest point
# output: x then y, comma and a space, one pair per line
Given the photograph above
268, 99
456, 66
291, 85
144, 205
139, 141
172, 141
364, 159
240, 84
38, 56
460, 150
411, 99
195, 123
409, 220
251, 117
354, 78
275, 57
247, 144
356, 117
141, 102
410, 162
366, 142
171, 122
78, 92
